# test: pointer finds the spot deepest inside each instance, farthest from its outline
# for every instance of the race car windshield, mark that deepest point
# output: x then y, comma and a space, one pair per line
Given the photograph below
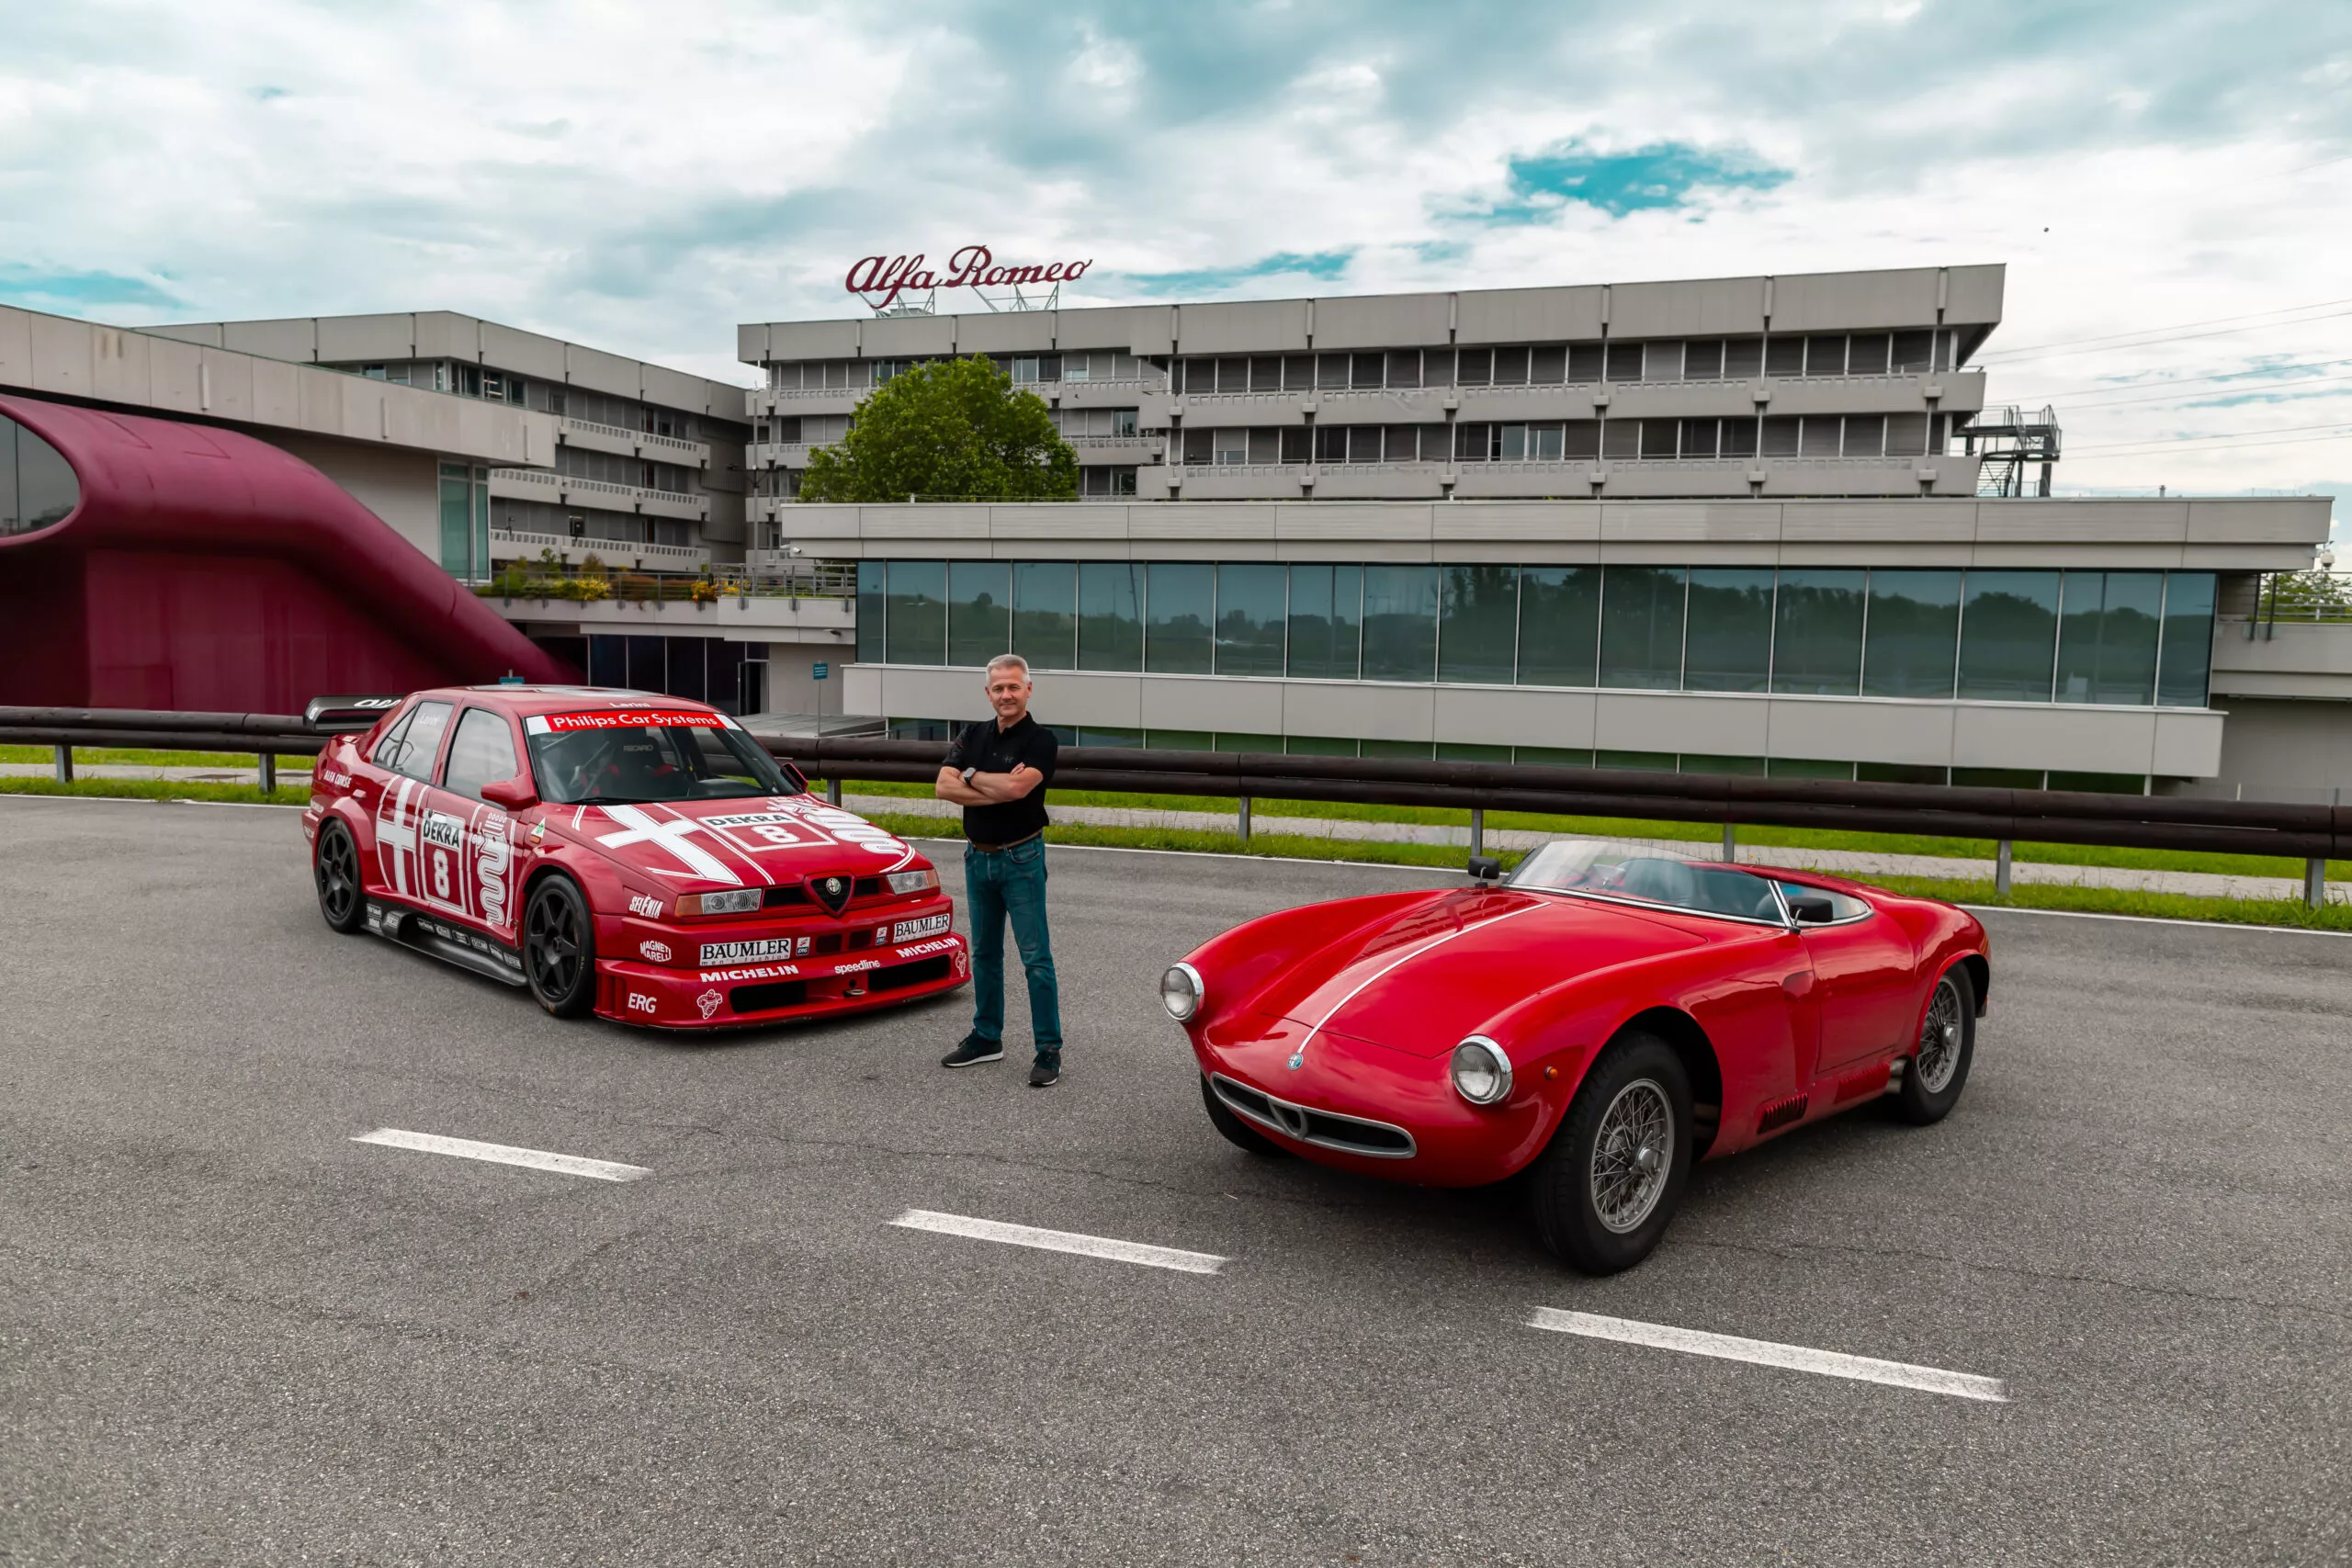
632, 764
1645, 874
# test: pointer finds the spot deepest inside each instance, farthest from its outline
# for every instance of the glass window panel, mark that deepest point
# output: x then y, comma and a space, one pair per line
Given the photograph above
1326, 624
1398, 750
1363, 443
916, 622
1232, 448
1250, 612
1399, 623
420, 744
1820, 438
1699, 437
1404, 367
1330, 443
1543, 442
1866, 355
1331, 370
1731, 630
484, 753
1268, 745
1514, 443
1233, 375
1559, 626
1266, 373
1865, 434
1640, 627
1461, 751
1781, 435
1199, 445
1475, 367
1404, 443
1552, 755
1265, 445
2008, 635
1636, 762
1914, 634
1510, 367
1621, 438
1900, 772
1131, 739
1110, 628
2107, 636
980, 611
1179, 740
1738, 436
1364, 371
1703, 361
1548, 367
1784, 357
2187, 640
1298, 372
2098, 784
1913, 351
1807, 767
1298, 444
1477, 623
1318, 746
1045, 613
1584, 361
1906, 434
1662, 362
1825, 354
1737, 767
1179, 610
1624, 362
870, 599
1997, 778
1659, 436
1817, 632
1437, 368
46, 489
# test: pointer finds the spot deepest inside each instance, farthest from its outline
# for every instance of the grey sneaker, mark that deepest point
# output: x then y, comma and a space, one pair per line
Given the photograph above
1048, 1070
972, 1051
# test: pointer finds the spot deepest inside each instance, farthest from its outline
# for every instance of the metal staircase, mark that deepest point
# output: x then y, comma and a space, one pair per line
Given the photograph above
2010, 440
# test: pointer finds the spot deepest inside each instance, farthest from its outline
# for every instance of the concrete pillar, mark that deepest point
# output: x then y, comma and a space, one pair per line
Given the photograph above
2001, 870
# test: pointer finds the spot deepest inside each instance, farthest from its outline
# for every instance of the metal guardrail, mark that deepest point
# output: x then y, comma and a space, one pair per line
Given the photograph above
2314, 834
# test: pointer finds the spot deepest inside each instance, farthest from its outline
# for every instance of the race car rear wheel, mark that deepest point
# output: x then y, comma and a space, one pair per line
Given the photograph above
559, 948
1238, 1133
335, 867
1602, 1194
1938, 1071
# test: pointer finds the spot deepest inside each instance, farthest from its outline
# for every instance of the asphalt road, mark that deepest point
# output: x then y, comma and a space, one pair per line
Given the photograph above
230, 1334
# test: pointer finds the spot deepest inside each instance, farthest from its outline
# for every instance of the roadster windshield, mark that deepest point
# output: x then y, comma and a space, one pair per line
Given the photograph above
1648, 874
636, 763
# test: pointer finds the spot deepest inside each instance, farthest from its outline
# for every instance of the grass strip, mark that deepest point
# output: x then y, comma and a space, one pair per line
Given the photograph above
145, 757
159, 789
2329, 917
1686, 832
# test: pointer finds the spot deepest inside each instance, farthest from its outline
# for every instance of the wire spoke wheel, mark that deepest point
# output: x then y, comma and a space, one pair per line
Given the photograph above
1940, 1039
1632, 1153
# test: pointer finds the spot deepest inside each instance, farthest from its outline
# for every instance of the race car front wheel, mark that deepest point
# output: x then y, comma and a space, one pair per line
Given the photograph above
559, 948
1605, 1191
336, 866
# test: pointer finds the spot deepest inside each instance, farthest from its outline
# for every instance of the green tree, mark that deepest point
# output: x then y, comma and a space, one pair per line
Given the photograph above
951, 427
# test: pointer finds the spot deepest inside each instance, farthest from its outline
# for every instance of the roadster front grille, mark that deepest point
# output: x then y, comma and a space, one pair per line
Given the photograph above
1324, 1129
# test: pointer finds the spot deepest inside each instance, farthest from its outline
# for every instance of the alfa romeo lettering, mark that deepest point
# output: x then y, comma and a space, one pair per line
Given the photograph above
973, 266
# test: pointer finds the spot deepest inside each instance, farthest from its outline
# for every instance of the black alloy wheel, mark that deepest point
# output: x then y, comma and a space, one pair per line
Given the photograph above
1605, 1188
1238, 1133
559, 949
1938, 1070
335, 867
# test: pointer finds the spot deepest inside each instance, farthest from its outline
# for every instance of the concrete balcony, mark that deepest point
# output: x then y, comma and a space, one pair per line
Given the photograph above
767, 402
1098, 394
1100, 449
622, 442
505, 545
564, 490
745, 617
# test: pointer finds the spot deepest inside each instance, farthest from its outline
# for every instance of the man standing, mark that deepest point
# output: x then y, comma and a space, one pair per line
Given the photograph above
997, 772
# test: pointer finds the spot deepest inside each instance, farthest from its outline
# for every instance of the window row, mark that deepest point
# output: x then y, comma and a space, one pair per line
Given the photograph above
1107, 482
2120, 637
1702, 359
813, 429
589, 523
1070, 364
1829, 435
468, 381
1095, 421
612, 468
944, 730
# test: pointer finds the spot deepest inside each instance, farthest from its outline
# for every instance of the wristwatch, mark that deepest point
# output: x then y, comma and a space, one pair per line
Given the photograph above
969, 773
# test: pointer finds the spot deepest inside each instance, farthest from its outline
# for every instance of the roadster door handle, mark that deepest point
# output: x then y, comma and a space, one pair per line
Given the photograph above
1798, 983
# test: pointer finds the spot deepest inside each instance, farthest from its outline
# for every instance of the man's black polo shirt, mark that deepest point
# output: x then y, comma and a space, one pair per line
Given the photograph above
995, 750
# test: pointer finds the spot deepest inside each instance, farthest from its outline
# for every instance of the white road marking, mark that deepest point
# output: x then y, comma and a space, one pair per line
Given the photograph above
502, 1154
1765, 1353
1062, 1241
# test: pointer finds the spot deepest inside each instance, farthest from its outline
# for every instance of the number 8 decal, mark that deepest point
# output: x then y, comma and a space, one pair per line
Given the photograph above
441, 875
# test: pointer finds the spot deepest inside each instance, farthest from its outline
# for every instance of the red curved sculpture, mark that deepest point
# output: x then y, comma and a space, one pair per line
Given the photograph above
206, 570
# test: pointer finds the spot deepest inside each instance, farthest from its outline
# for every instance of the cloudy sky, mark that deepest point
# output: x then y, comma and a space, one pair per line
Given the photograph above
2169, 184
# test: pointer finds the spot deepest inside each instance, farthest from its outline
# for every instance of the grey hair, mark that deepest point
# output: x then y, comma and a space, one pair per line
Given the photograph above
1009, 661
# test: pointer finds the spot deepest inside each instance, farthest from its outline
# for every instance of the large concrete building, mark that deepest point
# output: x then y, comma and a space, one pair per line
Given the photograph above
1731, 524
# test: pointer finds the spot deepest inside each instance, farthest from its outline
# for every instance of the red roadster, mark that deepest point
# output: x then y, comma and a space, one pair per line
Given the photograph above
636, 857
1606, 1016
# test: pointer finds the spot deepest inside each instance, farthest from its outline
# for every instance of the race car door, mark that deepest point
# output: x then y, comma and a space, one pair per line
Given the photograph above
408, 754
467, 837
1863, 974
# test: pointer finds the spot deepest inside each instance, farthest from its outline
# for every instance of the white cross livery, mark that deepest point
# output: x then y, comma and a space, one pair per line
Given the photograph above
641, 828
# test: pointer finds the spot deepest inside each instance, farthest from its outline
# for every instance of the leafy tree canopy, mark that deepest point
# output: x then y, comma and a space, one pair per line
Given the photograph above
949, 428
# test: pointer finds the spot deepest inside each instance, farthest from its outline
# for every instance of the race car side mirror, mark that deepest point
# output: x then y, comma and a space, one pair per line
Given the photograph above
1486, 868
514, 794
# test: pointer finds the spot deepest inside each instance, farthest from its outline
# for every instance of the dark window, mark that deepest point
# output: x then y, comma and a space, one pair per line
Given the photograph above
1266, 446
1906, 434
1331, 371
1045, 613
1250, 612
2107, 636
1266, 373
917, 623
1865, 435
1662, 362
1477, 623
1233, 375
1739, 437
1866, 355
1404, 367
1548, 367
1559, 625
1620, 438
1399, 623
2008, 635
1363, 444
1820, 439
1510, 367
1330, 443
870, 599
1640, 627
1298, 444
1659, 436
1180, 613
1437, 368
1298, 372
1914, 634
1624, 362
1730, 647
1325, 611
1780, 436
1470, 442
1699, 437
411, 749
1585, 362
1475, 367
980, 611
482, 752
1784, 357
1703, 361
1915, 352
1817, 632
1199, 445
1364, 371
1110, 624
2188, 639
1825, 354
1404, 443
1581, 438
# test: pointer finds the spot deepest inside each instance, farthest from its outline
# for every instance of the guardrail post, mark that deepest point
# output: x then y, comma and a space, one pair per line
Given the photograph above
2001, 870
1245, 819
65, 764
833, 792
1478, 829
269, 772
2314, 883
1730, 844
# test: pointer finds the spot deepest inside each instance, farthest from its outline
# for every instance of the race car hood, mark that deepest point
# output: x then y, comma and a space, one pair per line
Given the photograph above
1419, 980
755, 841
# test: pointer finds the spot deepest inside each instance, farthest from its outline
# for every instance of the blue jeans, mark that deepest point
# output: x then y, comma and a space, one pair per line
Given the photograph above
998, 885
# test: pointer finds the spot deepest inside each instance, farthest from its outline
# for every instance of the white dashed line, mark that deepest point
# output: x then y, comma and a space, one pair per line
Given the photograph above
1062, 1241
502, 1154
1765, 1353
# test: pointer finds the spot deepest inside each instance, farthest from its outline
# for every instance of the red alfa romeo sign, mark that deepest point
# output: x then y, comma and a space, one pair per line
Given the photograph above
881, 279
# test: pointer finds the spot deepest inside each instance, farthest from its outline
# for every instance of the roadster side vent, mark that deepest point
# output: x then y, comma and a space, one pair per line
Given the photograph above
1870, 1081
1775, 1117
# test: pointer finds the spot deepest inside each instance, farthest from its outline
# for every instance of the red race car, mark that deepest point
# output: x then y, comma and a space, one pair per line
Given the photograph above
1607, 1015
636, 857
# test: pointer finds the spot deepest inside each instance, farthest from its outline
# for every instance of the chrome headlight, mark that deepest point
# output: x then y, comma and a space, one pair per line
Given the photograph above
1481, 1071
1180, 991
912, 881
738, 903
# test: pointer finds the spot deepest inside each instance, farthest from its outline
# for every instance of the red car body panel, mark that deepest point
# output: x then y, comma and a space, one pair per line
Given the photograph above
1354, 1008
452, 874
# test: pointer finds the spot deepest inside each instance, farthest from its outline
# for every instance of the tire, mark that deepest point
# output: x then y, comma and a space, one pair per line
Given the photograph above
1599, 1206
334, 868
1238, 1133
1937, 1069
559, 948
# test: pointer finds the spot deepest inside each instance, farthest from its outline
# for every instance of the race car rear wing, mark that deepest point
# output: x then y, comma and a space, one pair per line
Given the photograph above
337, 715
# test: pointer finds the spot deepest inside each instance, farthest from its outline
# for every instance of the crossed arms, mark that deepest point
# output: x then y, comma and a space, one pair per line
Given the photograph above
989, 789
